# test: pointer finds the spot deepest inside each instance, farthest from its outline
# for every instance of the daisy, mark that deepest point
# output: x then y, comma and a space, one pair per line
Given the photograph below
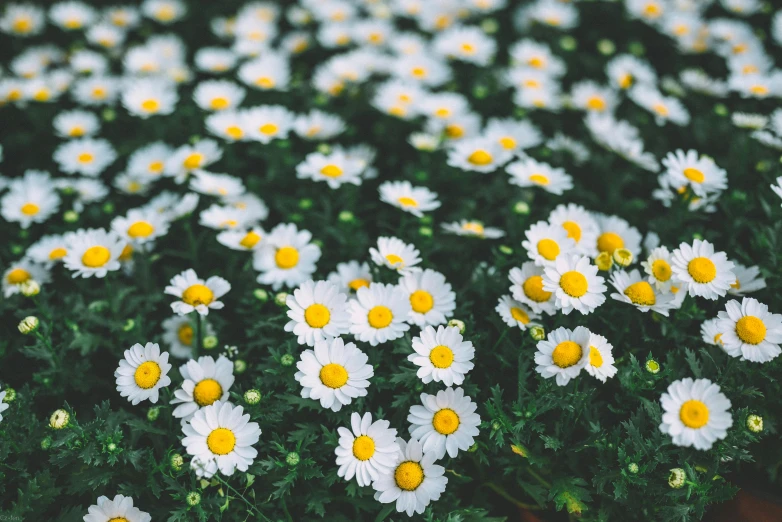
466, 43
632, 288
575, 284
580, 226
218, 95
120, 508
268, 122
229, 125
163, 11
398, 98
442, 355
696, 413
197, 294
711, 332
537, 56
421, 69
75, 124
85, 156
335, 168
698, 172
515, 313
3, 405
478, 155
590, 96
546, 242
367, 450
528, 172
21, 272
430, 296
749, 330
105, 35
351, 276
394, 253
456, 128
124, 16
513, 134
658, 267
142, 373
188, 158
178, 333
287, 257
206, 381
403, 195
145, 97
317, 311
472, 228
221, 217
445, 422
245, 240
378, 313
625, 71
30, 199
615, 233
563, 354
22, 20
442, 105
373, 33
747, 280
71, 15
140, 226
269, 72
663, 108
318, 125
215, 60
528, 289
219, 185
48, 250
601, 360
93, 252
334, 373
149, 160
220, 437
705, 273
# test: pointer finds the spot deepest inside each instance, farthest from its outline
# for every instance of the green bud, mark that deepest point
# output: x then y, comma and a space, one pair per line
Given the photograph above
489, 25
637, 48
71, 216
652, 366
252, 397
17, 249
28, 325
193, 498
422, 175
129, 325
426, 231
676, 478
521, 207
606, 47
240, 366
210, 342
346, 216
108, 114
458, 324
568, 43
46, 443
496, 425
632, 468
153, 413
324, 148
480, 91
292, 458
10, 395
305, 203
108, 208
755, 423
505, 249
287, 360
195, 138
538, 333
176, 461
60, 419
720, 109
280, 299
261, 294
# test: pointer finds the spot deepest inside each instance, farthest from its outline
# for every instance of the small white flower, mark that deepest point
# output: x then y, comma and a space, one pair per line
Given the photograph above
601, 360
696, 413
527, 288
85, 156
750, 331
431, 297
747, 280
367, 450
142, 373
478, 154
20, 273
472, 228
335, 169
287, 257
145, 97
196, 294
318, 312
575, 283
178, 334
515, 313
633, 289
546, 242
711, 332
140, 226
93, 252
119, 508
658, 267
206, 381
563, 354
530, 173
403, 195
218, 95
442, 355
244, 240
394, 253
445, 422
705, 273
378, 313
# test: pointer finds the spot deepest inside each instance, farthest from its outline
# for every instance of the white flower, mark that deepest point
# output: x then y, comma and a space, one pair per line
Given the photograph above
93, 252
403, 195
71, 15
750, 331
334, 373
335, 168
265, 123
21, 272
664, 108
580, 226
478, 154
633, 289
119, 508
513, 134
575, 283
22, 20
444, 422
530, 173
546, 242
220, 438
318, 312
515, 313
206, 381
394, 253
367, 450
218, 95
196, 294
414, 482
149, 161
472, 228
747, 280
711, 332
142, 373
145, 97
615, 233
3, 405
351, 276
188, 158
588, 95
229, 125
658, 267
31, 199
378, 313
163, 11
601, 360
85, 156
466, 43
318, 125
706, 273
287, 257
178, 334
442, 355
75, 124
563, 354
625, 71
527, 288
696, 413
698, 172
48, 250
140, 226
268, 72
430, 296
244, 240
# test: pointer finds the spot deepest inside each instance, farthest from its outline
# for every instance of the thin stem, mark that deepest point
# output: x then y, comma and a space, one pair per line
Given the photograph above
249, 504
504, 494
198, 339
541, 480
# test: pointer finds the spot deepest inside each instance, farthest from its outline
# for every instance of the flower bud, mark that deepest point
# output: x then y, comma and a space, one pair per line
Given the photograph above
603, 261
505, 249
623, 257
153, 413
287, 360
29, 324
521, 207
280, 299
10, 395
252, 397
240, 366
606, 47
538, 333
193, 498
30, 288
261, 295
632, 468
676, 478
46, 443
292, 458
59, 419
176, 461
652, 366
305, 203
346, 216
210, 342
755, 423
70, 216
458, 324
426, 231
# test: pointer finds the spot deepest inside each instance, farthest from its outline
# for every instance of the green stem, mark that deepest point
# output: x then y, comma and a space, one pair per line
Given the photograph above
541, 480
249, 504
198, 339
504, 494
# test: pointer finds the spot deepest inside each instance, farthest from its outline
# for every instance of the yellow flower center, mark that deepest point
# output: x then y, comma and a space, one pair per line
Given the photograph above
194, 160
235, 132
57, 253
250, 239
596, 103
18, 276
702, 269
147, 374
185, 334
566, 354
573, 283
30, 209
661, 270
331, 171
76, 132
751, 330
533, 289
660, 109
694, 175
380, 316
96, 256
520, 315
317, 315
609, 241
441, 356
286, 257
480, 157
718, 339
363, 447
127, 253
548, 248
573, 230
207, 391
539, 179
396, 110
140, 229
395, 260
641, 293
196, 295
445, 421
22, 25
150, 105
418, 72
595, 357
165, 13
269, 129
156, 167
221, 441
118, 519
536, 62
454, 131
474, 227
41, 95
265, 82
220, 103
421, 301
760, 90
408, 202
85, 157
409, 475
333, 375
358, 283
508, 142
694, 414
626, 81
468, 48
652, 10
443, 112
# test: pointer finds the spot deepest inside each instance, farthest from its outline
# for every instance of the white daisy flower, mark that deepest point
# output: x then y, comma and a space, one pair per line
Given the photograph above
268, 122
546, 242
527, 288
105, 35
268, 72
221, 217
196, 294
120, 508
149, 161
711, 332
615, 233
145, 97
220, 437
31, 199
747, 280
351, 276
140, 226
219, 185
85, 156
528, 172
515, 313
93, 252
465, 43
48, 250
478, 155
335, 168
71, 15
75, 124
206, 381
698, 172
445, 422
123, 16
625, 70
601, 360
218, 95
286, 258
472, 228
695, 413
318, 125
663, 108
394, 253
142, 373
580, 226
188, 158
563, 354
367, 450
704, 272
589, 96
750, 331
245, 240
537, 56
575, 284
421, 69
163, 11
215, 60
318, 312
442, 355
403, 195
378, 313
414, 482
658, 267
632, 288
22, 20
334, 373
21, 272
178, 334
513, 134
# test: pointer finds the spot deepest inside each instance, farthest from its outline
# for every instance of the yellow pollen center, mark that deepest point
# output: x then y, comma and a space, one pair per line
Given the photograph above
358, 283
508, 142
165, 13
480, 157
661, 270
235, 132
625, 81
539, 179
566, 354
609, 241
760, 90
409, 475
269, 129
596, 103
641, 293
194, 160
751, 330
317, 315
694, 175
22, 25
127, 253
419, 72
118, 519
363, 447
519, 315
694, 414
333, 375
702, 270
407, 202
548, 248
652, 10
57, 253
468, 48
595, 358
445, 421
148, 105
18, 276
207, 391
30, 209
221, 441
140, 229
250, 240
331, 171
95, 257
474, 227
156, 167
147, 374
660, 109
573, 283
421, 301
196, 295
76, 132
573, 230
533, 289
220, 103
395, 260
441, 356
185, 334
85, 157
454, 131
536, 62
442, 112
718, 339
286, 257
380, 316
